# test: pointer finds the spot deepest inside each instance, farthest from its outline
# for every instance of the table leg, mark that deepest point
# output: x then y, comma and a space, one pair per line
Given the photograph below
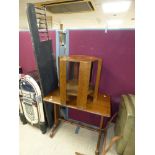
99, 137
56, 120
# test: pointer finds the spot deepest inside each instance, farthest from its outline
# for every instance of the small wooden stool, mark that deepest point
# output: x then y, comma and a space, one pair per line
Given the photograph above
80, 88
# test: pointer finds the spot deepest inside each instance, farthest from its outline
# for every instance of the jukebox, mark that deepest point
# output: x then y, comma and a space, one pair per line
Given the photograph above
31, 106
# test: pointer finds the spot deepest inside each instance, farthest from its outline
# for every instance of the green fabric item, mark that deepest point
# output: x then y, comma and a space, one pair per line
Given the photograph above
125, 124
130, 147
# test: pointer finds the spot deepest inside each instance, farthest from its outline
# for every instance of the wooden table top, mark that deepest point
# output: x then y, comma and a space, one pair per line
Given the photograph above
79, 58
101, 107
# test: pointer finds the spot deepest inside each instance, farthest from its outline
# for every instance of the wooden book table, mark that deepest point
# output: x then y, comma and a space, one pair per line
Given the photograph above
80, 94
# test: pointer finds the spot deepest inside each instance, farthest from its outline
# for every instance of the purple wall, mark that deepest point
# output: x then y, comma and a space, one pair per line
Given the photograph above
26, 55
117, 49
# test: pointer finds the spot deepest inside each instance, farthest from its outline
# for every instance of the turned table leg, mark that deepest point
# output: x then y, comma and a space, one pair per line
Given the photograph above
56, 120
99, 137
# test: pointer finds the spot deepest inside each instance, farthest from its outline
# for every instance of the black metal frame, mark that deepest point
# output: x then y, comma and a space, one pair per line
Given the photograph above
44, 57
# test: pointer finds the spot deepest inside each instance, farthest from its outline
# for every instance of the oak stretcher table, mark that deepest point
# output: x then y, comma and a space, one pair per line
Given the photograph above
101, 107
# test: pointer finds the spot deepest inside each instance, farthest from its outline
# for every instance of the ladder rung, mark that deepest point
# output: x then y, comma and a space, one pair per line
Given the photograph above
44, 35
41, 28
41, 18
42, 23
42, 14
39, 8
